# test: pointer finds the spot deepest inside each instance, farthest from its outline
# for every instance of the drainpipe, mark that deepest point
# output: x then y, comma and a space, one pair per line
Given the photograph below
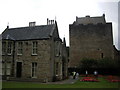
13, 60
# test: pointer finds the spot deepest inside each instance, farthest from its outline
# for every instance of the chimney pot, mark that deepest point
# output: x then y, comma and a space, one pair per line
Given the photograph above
51, 21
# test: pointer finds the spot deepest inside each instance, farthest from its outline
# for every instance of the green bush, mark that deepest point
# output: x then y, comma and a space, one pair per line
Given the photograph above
101, 63
107, 63
88, 63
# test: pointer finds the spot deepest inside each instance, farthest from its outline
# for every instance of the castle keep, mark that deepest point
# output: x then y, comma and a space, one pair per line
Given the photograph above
90, 37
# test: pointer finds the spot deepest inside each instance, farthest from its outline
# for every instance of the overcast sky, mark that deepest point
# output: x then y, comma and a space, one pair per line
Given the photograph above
18, 13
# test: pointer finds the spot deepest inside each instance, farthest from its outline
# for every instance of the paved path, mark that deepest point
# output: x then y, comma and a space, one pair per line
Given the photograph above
70, 80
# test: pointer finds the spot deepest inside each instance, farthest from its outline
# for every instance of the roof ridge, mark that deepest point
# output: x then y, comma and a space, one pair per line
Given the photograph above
25, 33
28, 27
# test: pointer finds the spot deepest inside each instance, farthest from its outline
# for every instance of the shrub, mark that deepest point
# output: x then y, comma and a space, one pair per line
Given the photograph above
104, 66
88, 63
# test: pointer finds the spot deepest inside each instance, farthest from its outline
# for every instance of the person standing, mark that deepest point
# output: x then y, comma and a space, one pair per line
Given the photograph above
96, 74
77, 75
86, 72
74, 75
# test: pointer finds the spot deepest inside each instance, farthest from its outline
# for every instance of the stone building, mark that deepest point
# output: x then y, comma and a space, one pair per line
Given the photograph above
90, 37
34, 53
65, 59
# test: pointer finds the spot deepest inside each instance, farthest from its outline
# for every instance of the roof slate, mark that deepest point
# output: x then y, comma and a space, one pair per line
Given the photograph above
27, 33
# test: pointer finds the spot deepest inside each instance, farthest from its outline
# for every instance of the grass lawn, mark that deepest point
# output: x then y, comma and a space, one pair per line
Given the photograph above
102, 84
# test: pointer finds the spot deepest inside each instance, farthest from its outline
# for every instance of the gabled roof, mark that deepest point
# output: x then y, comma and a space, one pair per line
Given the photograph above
90, 20
28, 33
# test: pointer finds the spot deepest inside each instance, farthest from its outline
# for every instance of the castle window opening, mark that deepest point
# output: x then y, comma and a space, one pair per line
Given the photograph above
102, 55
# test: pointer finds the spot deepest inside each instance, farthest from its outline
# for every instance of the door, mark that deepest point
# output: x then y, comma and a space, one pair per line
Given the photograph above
19, 69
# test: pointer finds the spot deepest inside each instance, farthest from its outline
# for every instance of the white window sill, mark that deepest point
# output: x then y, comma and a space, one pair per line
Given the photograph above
34, 77
57, 55
56, 75
34, 54
19, 54
9, 54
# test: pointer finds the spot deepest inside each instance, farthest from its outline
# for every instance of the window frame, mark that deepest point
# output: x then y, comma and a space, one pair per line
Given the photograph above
34, 70
4, 48
3, 68
8, 69
19, 48
57, 44
57, 69
34, 48
9, 48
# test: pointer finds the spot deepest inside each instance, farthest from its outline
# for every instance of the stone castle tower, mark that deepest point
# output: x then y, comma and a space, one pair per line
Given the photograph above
90, 37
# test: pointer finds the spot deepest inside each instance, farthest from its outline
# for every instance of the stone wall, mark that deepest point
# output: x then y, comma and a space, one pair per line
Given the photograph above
49, 52
23, 61
90, 41
42, 59
7, 59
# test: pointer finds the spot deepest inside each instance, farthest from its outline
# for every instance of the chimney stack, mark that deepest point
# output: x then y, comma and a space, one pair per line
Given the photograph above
32, 24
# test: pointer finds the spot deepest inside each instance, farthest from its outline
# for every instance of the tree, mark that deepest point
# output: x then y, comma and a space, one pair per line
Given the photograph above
88, 63
105, 66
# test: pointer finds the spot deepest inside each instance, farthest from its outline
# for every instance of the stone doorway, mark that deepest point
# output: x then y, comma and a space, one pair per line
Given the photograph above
19, 69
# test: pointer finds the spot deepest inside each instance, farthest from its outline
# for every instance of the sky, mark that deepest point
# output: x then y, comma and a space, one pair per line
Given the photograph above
18, 13
119, 26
